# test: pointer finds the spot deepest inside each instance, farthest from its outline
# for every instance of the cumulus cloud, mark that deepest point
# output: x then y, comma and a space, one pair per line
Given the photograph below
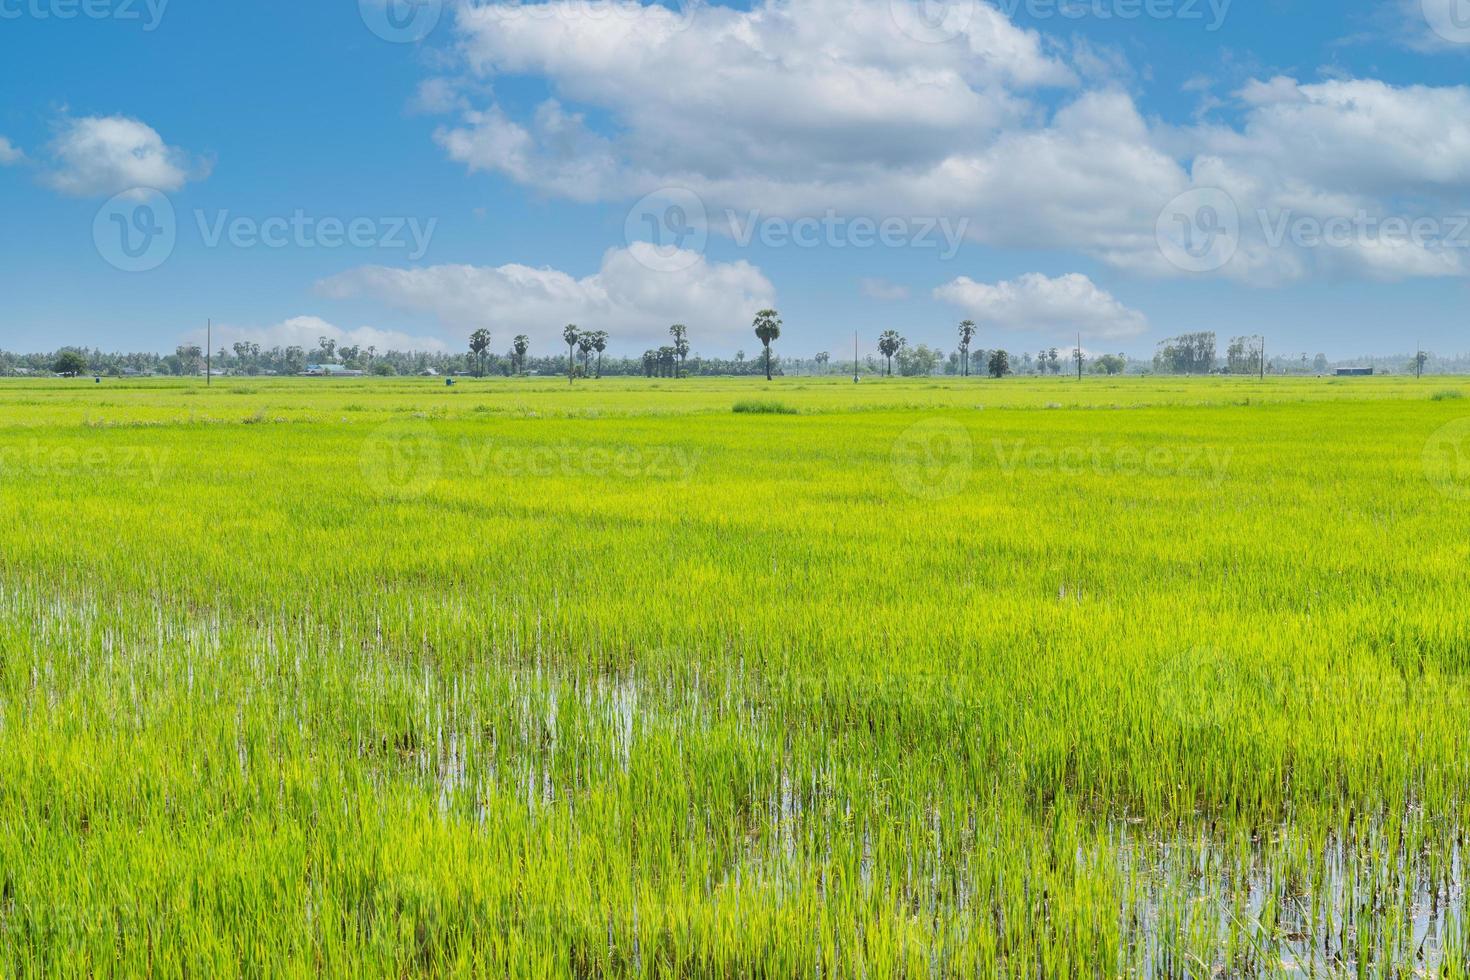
628, 296
1037, 303
803, 108
727, 96
104, 155
306, 331
9, 153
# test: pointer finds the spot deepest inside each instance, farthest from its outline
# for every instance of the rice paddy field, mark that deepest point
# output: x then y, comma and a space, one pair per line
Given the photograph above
930, 678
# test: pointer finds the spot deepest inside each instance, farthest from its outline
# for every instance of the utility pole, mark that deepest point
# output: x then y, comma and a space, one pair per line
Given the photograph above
1419, 361
208, 353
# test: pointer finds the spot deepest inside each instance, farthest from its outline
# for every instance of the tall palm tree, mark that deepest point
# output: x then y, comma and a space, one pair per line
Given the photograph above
967, 334
680, 333
570, 334
767, 329
890, 343
479, 344
584, 344
599, 344
520, 345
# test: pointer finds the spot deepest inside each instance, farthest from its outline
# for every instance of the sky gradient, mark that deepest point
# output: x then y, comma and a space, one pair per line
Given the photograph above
401, 172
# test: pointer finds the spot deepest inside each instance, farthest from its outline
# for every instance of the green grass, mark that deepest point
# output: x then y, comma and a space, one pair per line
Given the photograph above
380, 678
752, 406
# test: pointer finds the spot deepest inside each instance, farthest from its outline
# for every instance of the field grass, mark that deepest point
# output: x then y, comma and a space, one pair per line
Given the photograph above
932, 678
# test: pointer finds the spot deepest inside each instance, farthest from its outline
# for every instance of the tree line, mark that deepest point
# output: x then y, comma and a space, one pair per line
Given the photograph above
586, 357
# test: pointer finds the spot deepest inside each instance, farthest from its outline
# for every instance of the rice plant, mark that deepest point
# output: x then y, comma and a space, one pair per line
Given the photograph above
930, 678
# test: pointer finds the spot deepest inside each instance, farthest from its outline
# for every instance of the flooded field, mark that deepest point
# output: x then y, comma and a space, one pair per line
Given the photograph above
932, 679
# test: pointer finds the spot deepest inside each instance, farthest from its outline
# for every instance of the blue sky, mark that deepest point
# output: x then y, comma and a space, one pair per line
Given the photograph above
1042, 166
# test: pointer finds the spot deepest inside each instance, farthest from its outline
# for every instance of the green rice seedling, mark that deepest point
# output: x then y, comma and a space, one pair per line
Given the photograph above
527, 681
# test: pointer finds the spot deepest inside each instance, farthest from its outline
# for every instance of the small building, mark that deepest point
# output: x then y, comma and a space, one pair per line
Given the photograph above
331, 371
1355, 372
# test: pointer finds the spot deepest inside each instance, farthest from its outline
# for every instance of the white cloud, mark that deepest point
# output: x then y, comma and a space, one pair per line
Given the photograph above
103, 155
804, 107
9, 153
1035, 302
882, 289
627, 297
729, 94
436, 96
306, 331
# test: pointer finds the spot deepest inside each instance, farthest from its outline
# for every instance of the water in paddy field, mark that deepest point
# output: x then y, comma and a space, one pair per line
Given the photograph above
1280, 904
810, 824
1347, 913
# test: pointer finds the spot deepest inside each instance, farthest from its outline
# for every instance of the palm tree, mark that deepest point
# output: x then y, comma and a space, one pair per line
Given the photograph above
520, 345
767, 329
680, 333
570, 335
584, 344
822, 360
599, 344
650, 361
479, 344
890, 343
967, 334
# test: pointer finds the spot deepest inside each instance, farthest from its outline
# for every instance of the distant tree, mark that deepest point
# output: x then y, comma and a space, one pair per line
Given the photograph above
479, 344
328, 347
768, 329
1110, 364
889, 344
599, 344
1000, 364
1190, 353
519, 347
189, 356
822, 359
570, 334
650, 363
917, 362
384, 369
967, 334
70, 362
584, 344
680, 333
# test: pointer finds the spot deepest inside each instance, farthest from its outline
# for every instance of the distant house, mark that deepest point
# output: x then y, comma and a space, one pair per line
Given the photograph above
331, 371
428, 373
1355, 372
